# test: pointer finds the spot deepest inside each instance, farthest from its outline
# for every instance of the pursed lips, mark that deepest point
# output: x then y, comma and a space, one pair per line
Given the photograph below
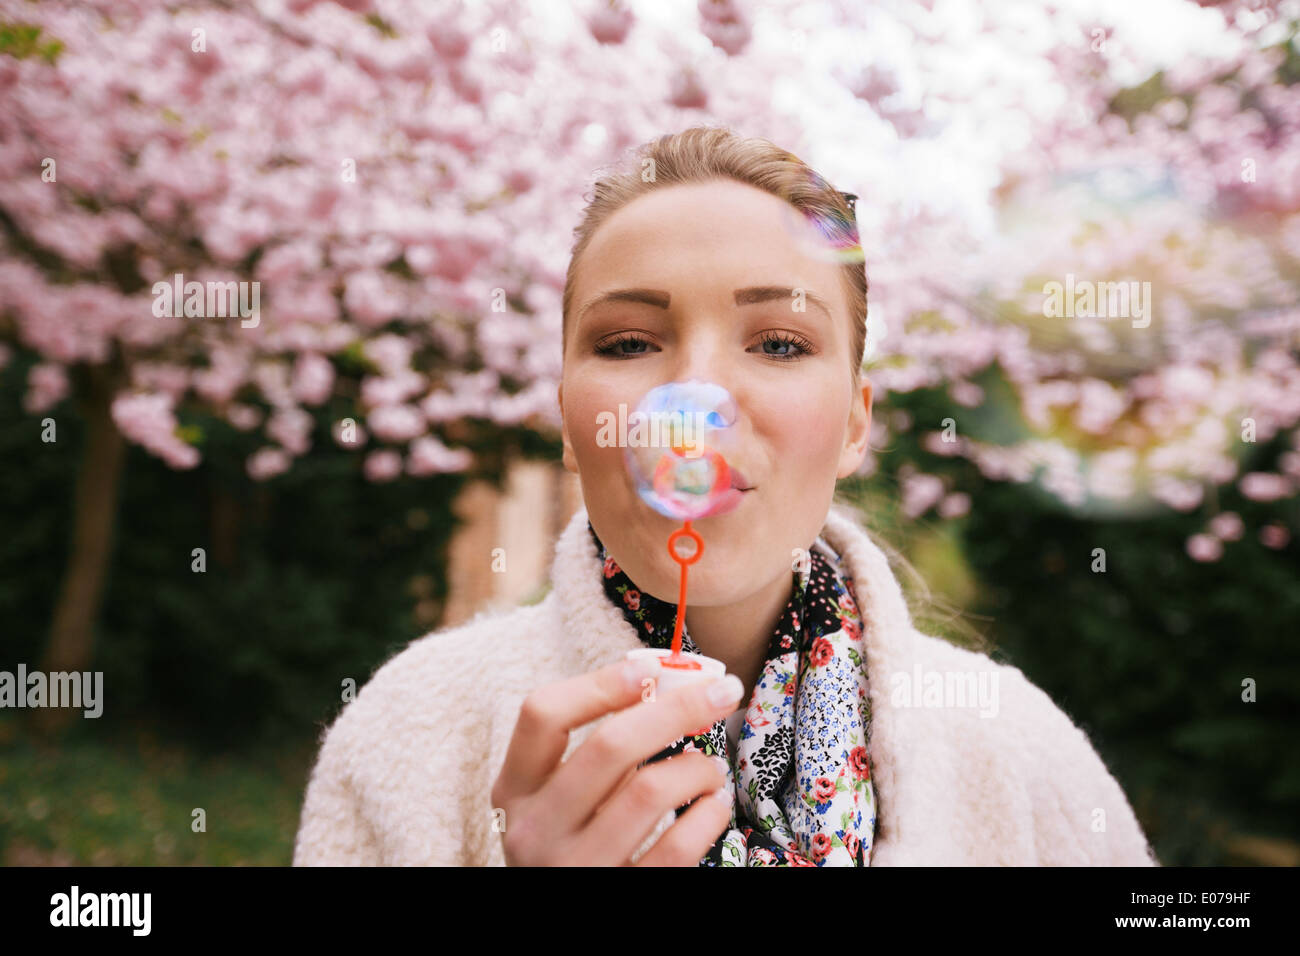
739, 481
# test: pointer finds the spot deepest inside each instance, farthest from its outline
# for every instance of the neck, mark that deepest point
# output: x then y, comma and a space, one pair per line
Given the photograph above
739, 634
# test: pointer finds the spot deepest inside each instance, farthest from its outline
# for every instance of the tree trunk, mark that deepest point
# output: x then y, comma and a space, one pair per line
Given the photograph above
224, 521
94, 509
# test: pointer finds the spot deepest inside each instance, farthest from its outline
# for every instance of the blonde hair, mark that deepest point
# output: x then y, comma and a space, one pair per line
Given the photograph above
704, 153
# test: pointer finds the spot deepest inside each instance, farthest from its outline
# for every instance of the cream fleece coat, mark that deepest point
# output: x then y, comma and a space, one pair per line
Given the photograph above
404, 773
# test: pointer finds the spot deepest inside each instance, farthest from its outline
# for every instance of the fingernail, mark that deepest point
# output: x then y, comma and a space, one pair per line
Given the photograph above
726, 691
723, 794
635, 672
723, 767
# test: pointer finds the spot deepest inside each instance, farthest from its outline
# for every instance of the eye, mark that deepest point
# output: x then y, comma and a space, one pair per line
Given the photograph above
614, 348
797, 346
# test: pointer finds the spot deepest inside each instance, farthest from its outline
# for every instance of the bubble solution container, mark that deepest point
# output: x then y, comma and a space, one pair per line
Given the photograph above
679, 670
686, 669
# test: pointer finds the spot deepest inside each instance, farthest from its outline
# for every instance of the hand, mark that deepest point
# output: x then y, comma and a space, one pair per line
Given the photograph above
597, 808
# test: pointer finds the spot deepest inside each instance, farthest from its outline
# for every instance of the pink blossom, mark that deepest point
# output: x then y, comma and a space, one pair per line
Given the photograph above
457, 258
272, 378
966, 393
422, 259
1204, 548
47, 385
383, 465
934, 443
1099, 405
450, 41
223, 377
954, 505
267, 462
243, 417
610, 24
289, 261
1111, 474
440, 406
725, 25
291, 427
230, 234
147, 420
522, 177
396, 423
311, 303
313, 378
391, 389
392, 353
687, 92
1264, 486
372, 298
1179, 495
429, 456
349, 433
1274, 536
241, 152
173, 380
919, 493
1227, 526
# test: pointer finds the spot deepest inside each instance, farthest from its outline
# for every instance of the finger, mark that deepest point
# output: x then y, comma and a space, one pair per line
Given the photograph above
630, 816
629, 738
549, 713
687, 841
617, 787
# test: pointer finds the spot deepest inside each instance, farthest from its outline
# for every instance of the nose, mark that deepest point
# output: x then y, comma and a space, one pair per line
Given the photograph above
704, 357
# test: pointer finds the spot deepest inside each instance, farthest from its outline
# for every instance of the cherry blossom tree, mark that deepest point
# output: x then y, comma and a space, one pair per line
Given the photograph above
263, 210
1182, 184
255, 209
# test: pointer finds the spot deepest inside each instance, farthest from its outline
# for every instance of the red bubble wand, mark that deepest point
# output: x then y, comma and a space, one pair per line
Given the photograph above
684, 477
669, 470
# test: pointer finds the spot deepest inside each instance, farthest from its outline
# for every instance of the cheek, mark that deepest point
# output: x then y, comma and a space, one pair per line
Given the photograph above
597, 462
807, 434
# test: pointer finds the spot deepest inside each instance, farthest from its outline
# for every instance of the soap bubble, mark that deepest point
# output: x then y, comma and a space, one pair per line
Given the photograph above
829, 236
678, 439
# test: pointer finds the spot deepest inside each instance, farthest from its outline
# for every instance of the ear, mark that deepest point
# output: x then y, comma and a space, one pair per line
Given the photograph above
858, 432
570, 462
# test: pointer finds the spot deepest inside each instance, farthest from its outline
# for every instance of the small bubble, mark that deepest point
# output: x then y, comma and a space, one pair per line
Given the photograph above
680, 469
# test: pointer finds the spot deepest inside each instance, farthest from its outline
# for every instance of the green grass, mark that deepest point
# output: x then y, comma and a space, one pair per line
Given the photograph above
126, 799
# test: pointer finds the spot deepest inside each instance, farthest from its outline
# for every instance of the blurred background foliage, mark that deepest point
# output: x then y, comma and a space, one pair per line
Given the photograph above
331, 571
1147, 657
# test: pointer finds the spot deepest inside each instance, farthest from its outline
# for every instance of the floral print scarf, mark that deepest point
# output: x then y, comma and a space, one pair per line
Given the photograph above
800, 770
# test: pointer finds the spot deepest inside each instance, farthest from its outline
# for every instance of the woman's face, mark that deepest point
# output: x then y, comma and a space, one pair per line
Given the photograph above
801, 421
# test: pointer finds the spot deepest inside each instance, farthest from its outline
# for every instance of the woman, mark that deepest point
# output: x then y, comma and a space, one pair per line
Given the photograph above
846, 737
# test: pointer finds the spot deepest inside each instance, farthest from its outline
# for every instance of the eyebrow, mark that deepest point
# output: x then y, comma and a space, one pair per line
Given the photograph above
749, 296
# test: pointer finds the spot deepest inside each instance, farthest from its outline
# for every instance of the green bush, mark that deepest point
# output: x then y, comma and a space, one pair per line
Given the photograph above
311, 577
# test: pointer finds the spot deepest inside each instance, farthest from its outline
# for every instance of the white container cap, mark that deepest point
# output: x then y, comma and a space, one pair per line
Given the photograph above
670, 678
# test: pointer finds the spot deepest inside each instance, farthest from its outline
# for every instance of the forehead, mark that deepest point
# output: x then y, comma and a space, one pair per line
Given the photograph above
718, 233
